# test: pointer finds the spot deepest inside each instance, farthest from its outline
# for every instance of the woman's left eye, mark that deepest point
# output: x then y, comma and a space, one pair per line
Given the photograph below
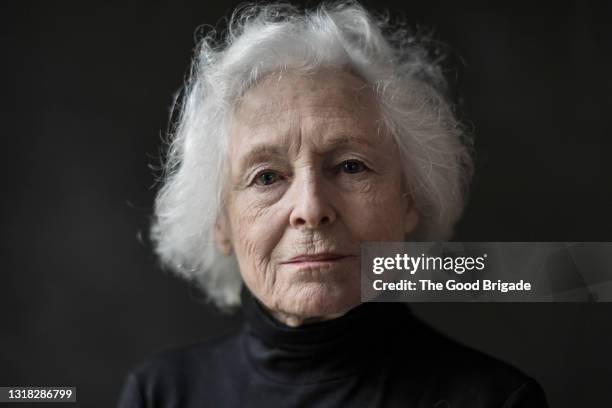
352, 166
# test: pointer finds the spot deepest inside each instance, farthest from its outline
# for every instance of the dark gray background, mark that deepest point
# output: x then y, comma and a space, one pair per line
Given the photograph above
87, 92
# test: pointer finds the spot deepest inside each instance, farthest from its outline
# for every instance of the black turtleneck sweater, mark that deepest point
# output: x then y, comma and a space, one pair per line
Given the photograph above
376, 355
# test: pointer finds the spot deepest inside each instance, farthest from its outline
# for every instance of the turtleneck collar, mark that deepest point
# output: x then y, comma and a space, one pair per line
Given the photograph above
323, 351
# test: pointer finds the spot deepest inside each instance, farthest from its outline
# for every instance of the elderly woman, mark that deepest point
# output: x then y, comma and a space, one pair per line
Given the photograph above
300, 136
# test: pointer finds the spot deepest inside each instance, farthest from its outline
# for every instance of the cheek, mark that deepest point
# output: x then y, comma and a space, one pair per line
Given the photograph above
376, 215
254, 235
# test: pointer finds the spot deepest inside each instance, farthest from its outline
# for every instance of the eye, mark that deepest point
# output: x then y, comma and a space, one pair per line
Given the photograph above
266, 178
352, 166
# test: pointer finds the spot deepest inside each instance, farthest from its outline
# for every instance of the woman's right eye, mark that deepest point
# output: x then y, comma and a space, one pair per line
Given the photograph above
266, 178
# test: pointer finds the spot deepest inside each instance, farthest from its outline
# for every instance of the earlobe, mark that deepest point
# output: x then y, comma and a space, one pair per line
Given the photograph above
411, 220
411, 216
222, 238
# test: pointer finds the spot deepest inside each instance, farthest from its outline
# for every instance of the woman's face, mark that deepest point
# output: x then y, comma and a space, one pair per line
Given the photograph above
310, 178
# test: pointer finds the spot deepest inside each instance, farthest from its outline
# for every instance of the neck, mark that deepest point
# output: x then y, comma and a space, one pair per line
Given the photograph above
308, 350
292, 320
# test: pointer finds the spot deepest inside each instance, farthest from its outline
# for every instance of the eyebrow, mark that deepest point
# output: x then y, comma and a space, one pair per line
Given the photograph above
260, 153
343, 140
263, 152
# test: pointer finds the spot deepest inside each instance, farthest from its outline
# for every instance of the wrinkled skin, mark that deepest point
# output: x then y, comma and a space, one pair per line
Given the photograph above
326, 180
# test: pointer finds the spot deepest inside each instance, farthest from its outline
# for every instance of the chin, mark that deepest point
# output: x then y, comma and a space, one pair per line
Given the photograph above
311, 300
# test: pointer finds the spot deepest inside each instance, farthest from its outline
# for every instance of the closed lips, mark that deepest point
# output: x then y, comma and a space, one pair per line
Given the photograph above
314, 258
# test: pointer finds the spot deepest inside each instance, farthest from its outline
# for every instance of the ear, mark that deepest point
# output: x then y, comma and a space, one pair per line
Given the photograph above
223, 240
411, 215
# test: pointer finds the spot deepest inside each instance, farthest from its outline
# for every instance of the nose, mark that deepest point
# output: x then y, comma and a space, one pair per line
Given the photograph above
312, 204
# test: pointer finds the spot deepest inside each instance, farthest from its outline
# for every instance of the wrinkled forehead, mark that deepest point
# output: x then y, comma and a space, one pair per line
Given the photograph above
304, 117
329, 93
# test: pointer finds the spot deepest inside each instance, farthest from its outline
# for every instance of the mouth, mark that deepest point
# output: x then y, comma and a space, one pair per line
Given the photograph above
316, 259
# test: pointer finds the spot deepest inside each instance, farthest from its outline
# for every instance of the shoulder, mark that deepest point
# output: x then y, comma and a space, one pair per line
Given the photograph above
186, 358
164, 376
464, 375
